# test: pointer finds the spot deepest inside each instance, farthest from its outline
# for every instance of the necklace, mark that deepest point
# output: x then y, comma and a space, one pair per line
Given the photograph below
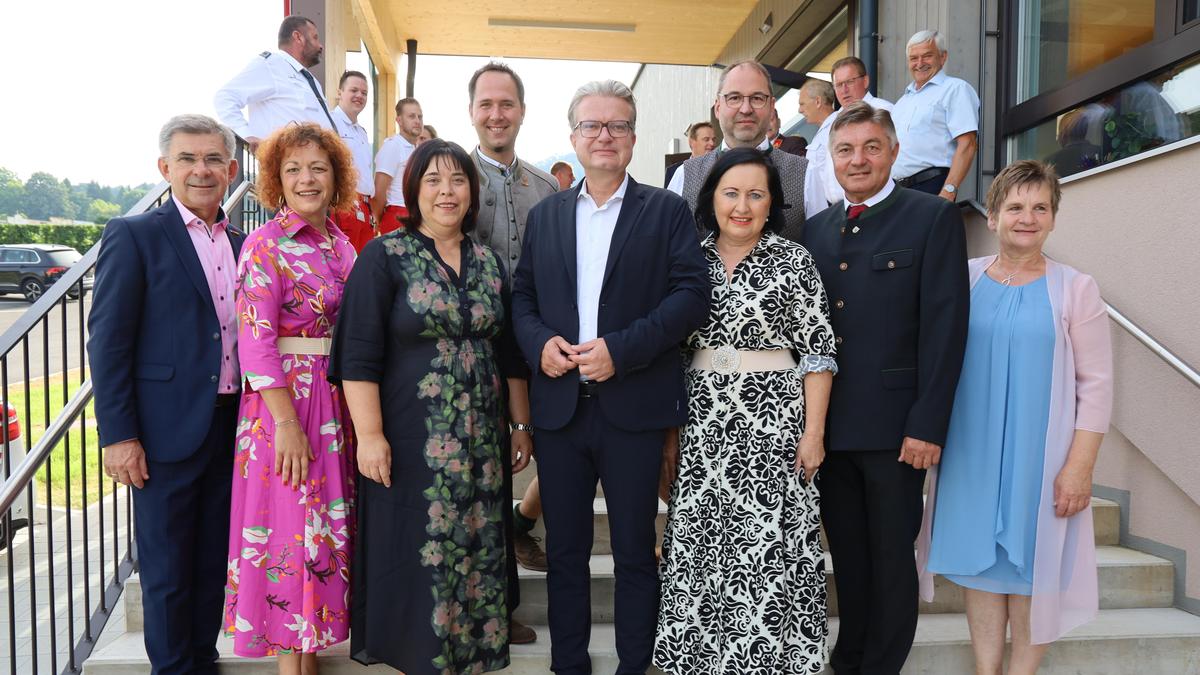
1007, 281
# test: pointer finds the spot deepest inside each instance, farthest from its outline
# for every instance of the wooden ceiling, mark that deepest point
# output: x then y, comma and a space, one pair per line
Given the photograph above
642, 31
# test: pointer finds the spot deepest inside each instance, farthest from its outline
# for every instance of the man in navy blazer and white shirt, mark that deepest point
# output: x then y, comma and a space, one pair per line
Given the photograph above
163, 352
611, 280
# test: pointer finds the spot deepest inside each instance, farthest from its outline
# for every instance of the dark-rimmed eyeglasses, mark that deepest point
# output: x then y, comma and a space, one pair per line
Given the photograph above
616, 128
757, 101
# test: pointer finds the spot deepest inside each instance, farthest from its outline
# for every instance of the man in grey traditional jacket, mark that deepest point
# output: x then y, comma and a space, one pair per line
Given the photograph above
743, 107
508, 189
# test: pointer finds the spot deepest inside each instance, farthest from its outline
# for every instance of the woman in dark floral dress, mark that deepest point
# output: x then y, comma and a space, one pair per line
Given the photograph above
416, 353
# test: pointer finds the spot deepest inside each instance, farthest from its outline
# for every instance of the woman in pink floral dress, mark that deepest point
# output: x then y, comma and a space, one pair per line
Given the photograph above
292, 521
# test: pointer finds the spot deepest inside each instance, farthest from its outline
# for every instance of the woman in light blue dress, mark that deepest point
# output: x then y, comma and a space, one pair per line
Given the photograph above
1007, 514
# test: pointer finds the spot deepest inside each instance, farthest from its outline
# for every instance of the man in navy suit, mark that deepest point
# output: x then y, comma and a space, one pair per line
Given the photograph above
163, 351
610, 282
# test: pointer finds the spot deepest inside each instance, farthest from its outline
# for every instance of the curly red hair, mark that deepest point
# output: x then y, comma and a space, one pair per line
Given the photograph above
269, 186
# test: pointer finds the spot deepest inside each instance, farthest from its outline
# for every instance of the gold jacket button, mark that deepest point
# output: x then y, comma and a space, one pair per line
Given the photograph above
843, 267
840, 304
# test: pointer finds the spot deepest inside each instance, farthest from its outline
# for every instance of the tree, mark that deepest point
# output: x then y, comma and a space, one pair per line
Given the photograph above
100, 211
44, 197
12, 192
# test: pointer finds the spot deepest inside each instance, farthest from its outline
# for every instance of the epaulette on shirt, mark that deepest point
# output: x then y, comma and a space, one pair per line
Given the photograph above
265, 55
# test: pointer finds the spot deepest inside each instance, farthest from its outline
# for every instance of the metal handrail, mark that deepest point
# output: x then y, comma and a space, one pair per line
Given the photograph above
1160, 350
21, 476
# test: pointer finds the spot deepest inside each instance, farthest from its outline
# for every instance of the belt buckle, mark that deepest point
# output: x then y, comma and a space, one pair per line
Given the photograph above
726, 360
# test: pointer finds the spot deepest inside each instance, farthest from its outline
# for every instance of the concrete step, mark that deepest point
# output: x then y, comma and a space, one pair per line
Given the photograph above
1118, 642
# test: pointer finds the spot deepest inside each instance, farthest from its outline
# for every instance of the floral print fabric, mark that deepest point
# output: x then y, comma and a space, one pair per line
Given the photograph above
288, 577
430, 569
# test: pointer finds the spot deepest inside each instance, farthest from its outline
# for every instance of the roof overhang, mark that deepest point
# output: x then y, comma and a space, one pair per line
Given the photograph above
683, 32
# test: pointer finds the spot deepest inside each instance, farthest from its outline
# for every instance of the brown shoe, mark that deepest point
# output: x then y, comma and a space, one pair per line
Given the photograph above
529, 552
520, 634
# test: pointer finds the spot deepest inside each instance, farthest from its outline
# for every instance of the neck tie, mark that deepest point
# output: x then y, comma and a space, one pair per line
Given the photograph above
855, 211
312, 82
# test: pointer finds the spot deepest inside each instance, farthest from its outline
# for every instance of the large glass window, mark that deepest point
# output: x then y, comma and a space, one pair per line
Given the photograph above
1146, 114
1061, 39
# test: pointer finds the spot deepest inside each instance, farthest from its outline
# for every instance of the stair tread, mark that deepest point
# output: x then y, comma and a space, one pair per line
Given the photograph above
932, 630
601, 507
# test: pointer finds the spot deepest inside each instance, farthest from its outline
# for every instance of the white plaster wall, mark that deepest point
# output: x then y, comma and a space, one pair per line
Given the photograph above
669, 98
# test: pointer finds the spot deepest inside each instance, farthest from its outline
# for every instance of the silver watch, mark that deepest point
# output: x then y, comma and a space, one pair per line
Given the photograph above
949, 187
521, 426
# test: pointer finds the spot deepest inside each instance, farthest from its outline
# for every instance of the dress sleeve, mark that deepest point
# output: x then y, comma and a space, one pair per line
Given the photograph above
259, 296
812, 331
360, 335
1091, 344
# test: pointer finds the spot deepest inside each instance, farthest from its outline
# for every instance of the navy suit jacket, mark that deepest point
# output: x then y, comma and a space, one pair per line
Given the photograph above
155, 341
899, 307
654, 294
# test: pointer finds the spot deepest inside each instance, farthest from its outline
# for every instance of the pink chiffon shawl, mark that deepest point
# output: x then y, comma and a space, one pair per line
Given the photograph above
1065, 589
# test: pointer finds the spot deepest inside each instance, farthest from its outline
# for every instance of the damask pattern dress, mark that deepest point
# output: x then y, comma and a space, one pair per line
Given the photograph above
430, 568
743, 574
288, 579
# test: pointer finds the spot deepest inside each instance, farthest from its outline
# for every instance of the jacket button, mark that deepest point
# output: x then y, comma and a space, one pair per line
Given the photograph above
891, 264
213, 378
489, 201
840, 304
514, 237
216, 336
838, 340
843, 267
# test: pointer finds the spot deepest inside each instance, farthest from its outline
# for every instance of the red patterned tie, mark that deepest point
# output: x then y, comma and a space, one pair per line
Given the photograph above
855, 211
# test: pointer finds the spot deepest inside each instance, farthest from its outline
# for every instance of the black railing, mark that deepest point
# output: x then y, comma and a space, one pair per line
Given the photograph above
66, 529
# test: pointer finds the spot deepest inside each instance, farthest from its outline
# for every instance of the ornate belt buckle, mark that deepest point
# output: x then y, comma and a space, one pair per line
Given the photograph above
726, 359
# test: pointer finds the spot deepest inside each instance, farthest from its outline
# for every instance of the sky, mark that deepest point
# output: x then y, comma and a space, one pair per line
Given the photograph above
88, 83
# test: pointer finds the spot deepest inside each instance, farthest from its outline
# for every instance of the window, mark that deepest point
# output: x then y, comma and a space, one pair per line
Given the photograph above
1061, 39
1140, 116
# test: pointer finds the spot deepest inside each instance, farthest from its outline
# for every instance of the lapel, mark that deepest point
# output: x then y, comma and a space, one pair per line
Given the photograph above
631, 208
566, 216
168, 218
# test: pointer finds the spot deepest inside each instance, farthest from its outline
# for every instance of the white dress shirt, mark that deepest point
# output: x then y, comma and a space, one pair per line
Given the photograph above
821, 181
594, 226
275, 93
355, 137
929, 119
873, 199
392, 158
677, 180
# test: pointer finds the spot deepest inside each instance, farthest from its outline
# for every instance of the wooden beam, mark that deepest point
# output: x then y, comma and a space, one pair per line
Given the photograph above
373, 37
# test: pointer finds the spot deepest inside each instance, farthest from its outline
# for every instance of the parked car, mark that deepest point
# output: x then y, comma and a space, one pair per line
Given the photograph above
16, 450
29, 269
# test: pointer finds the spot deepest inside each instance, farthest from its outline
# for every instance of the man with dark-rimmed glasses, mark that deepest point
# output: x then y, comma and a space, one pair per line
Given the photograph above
743, 107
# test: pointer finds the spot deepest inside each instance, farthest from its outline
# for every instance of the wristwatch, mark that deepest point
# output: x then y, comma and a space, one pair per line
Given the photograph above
521, 426
949, 187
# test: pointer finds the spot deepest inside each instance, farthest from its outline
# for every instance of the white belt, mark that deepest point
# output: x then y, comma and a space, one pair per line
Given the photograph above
726, 360
303, 345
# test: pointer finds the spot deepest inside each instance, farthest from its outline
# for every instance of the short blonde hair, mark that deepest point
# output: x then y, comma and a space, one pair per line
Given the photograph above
269, 186
1023, 173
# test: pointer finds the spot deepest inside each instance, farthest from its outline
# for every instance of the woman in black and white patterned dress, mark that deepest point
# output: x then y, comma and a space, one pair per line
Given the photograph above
743, 575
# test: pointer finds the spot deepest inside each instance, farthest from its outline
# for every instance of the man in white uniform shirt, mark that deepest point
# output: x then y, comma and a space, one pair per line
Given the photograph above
816, 104
387, 206
850, 85
936, 119
276, 87
352, 98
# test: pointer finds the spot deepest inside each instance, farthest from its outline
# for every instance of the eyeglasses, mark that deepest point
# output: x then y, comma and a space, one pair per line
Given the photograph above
757, 101
845, 84
616, 128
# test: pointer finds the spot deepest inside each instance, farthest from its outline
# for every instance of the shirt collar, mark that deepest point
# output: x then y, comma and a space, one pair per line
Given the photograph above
873, 199
617, 196
343, 117
190, 219
764, 146
940, 78
290, 59
291, 223
506, 170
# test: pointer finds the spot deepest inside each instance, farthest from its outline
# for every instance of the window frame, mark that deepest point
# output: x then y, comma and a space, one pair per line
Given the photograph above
1173, 42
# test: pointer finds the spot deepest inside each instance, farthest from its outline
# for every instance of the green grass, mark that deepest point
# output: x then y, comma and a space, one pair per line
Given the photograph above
82, 442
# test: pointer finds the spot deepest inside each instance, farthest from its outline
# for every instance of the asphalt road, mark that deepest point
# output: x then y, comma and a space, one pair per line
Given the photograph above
12, 308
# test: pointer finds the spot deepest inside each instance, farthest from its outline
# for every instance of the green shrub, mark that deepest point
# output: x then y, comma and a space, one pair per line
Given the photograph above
78, 237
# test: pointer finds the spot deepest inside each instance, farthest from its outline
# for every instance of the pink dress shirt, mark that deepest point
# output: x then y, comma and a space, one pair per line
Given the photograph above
220, 269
